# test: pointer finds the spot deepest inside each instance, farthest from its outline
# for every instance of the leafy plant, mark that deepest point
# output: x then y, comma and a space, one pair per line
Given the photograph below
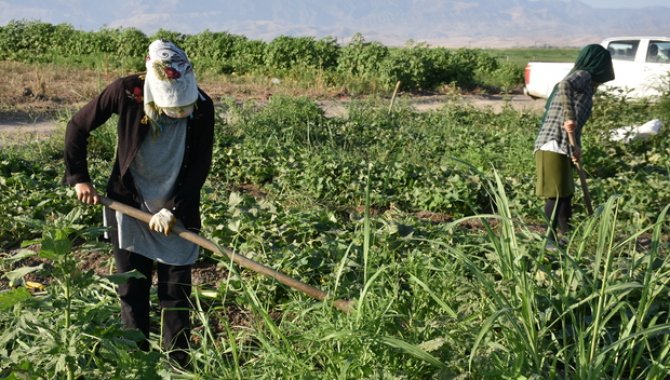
67, 329
426, 220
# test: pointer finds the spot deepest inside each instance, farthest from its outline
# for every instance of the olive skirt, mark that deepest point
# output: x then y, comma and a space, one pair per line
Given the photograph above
554, 175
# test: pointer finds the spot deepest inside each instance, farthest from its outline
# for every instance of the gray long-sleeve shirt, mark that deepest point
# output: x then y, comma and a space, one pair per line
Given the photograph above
155, 171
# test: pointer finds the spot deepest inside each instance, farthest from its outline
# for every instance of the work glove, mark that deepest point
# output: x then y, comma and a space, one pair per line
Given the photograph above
162, 221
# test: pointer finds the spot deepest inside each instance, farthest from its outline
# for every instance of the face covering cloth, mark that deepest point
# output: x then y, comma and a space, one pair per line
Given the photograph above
170, 88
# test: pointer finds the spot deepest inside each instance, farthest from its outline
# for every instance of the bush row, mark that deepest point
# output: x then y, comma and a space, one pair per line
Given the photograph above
417, 65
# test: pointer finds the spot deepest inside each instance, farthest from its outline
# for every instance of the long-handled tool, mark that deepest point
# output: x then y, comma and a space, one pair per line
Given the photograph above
343, 305
582, 177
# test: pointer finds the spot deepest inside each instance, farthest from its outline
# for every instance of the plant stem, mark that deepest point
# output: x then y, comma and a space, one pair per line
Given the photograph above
366, 230
68, 302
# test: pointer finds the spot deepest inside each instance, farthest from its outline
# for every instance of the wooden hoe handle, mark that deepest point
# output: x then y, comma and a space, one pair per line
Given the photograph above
244, 262
582, 178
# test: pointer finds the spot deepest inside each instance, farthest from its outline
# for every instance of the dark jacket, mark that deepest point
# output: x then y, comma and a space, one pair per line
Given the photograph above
124, 98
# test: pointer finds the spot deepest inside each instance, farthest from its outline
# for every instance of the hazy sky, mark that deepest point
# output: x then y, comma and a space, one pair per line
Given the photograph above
626, 3
90, 15
186, 16
93, 15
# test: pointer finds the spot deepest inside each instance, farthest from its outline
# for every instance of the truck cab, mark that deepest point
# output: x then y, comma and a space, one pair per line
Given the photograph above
641, 65
641, 69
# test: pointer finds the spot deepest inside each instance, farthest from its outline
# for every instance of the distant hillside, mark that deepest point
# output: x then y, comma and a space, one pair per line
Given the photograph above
478, 23
475, 23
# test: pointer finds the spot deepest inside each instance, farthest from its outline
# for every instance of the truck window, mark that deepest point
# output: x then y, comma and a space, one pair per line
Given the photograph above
623, 50
658, 51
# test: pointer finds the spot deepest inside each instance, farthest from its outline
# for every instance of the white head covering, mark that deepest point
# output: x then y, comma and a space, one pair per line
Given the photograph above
170, 87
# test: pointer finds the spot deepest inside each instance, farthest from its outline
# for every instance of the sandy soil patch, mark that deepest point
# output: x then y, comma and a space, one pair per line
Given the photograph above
496, 103
22, 129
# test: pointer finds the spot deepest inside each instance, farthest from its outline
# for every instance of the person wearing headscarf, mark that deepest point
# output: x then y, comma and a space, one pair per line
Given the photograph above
165, 135
567, 110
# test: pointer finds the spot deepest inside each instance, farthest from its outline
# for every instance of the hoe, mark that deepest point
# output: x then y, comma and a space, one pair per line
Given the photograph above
582, 178
343, 305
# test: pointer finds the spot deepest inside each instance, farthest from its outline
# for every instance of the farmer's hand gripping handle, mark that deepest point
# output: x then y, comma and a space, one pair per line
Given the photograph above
575, 150
343, 305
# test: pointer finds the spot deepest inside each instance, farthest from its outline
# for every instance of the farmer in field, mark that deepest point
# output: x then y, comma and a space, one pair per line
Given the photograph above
164, 153
566, 111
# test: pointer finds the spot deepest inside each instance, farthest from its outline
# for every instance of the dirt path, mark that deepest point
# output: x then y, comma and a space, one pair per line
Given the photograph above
496, 103
18, 130
14, 132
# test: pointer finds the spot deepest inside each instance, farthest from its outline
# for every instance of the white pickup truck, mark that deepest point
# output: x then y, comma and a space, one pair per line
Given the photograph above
641, 68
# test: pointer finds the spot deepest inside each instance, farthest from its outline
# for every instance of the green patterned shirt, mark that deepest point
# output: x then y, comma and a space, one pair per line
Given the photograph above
572, 100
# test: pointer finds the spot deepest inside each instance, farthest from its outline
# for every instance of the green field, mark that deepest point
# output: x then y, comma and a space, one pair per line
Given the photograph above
427, 220
521, 56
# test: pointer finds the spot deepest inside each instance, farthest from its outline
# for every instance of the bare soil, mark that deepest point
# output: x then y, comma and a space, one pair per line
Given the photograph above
36, 99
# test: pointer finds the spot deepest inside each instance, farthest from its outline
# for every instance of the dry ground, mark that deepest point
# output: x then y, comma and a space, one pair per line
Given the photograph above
34, 99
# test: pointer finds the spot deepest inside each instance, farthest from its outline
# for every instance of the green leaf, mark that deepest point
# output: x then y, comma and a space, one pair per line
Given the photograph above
413, 350
234, 225
432, 345
11, 297
234, 200
16, 276
122, 278
434, 296
29, 243
53, 249
20, 255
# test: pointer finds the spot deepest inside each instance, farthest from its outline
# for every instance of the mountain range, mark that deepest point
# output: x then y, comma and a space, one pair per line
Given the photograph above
474, 23
451, 23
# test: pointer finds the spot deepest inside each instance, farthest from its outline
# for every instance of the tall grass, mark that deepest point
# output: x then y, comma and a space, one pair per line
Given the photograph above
594, 310
590, 311
585, 313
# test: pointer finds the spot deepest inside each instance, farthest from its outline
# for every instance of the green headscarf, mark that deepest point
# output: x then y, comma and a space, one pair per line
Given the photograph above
597, 61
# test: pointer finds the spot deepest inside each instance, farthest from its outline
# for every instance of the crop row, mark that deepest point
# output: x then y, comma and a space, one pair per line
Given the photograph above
418, 66
437, 162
